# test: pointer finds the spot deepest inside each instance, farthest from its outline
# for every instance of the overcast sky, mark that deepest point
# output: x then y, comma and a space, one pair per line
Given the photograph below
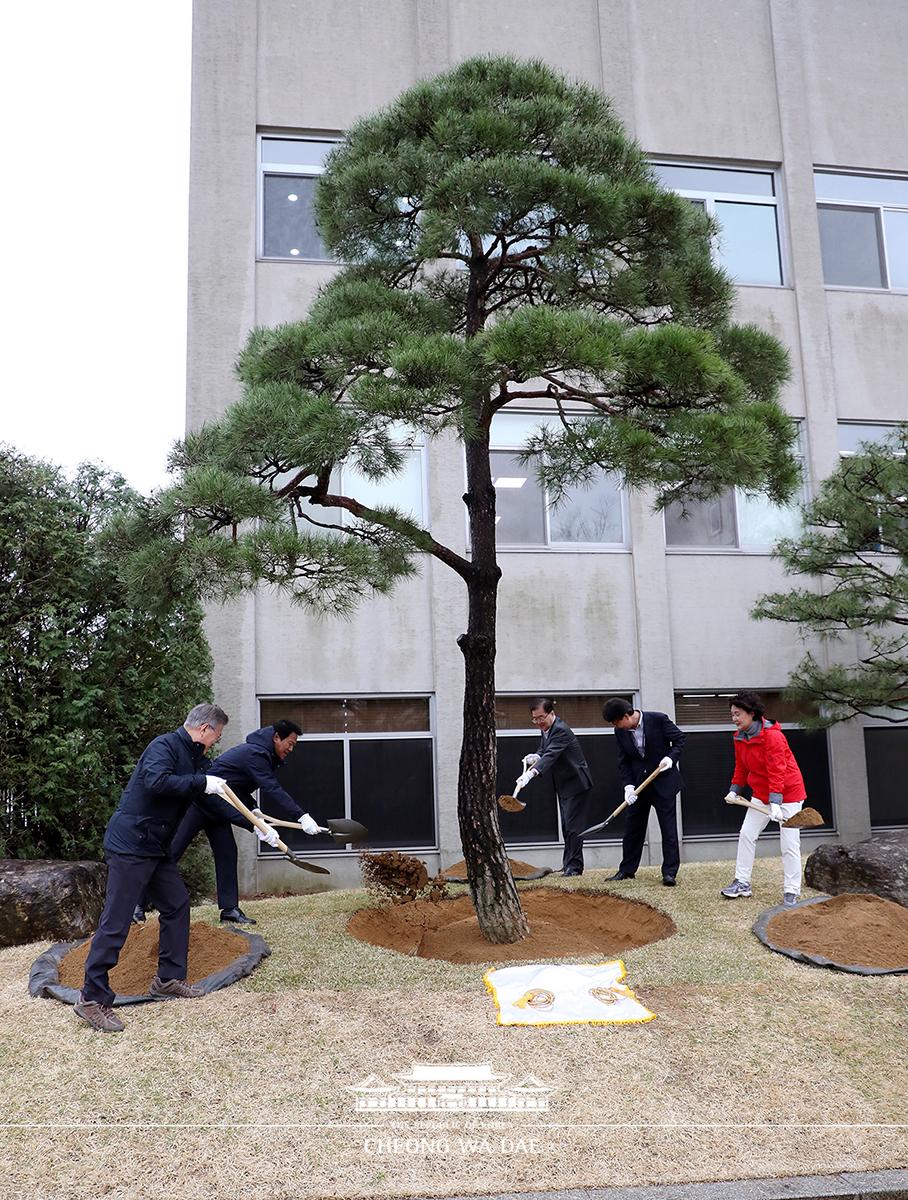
94, 111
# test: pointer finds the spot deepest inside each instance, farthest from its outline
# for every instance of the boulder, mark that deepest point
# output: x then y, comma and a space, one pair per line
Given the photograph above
42, 898
879, 865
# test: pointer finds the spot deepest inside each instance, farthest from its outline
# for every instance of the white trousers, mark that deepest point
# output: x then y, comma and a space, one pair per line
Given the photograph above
754, 824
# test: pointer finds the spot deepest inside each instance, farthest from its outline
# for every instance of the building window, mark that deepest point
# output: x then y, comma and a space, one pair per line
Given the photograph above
368, 758
288, 172
853, 435
863, 229
708, 761
744, 203
540, 824
886, 752
590, 516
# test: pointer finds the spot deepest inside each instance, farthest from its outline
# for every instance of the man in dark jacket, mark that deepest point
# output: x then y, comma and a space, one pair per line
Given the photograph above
560, 753
246, 768
645, 741
168, 777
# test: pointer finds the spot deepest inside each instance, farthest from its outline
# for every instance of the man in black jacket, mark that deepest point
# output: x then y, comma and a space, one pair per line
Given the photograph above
560, 753
169, 776
246, 768
645, 741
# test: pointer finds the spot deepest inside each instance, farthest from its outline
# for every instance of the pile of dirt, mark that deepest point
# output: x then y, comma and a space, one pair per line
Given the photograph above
395, 878
519, 869
562, 924
210, 949
850, 928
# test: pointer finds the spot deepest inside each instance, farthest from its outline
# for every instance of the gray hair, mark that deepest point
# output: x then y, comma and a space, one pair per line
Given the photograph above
206, 714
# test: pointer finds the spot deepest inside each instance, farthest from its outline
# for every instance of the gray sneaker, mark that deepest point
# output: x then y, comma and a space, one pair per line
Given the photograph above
790, 899
737, 890
99, 1016
175, 989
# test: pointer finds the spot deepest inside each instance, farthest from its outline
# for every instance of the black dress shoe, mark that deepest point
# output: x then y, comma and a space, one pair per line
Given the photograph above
669, 881
619, 875
138, 915
236, 916
566, 874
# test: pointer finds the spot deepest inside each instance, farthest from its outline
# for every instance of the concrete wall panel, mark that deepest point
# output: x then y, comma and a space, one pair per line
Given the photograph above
857, 86
869, 337
323, 66
775, 310
703, 78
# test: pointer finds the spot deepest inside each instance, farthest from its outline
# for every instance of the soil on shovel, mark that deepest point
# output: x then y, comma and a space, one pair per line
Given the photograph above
864, 930
210, 950
562, 924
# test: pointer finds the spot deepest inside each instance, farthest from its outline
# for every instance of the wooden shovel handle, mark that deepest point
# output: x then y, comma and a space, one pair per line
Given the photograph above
739, 800
232, 798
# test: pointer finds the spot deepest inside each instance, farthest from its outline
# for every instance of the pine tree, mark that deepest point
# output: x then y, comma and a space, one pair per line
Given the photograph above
855, 546
504, 240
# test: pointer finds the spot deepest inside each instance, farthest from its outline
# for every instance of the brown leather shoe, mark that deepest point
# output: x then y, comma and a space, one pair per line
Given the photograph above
175, 989
99, 1016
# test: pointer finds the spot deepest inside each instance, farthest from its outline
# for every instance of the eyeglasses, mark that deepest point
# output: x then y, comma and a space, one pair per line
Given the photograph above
539, 720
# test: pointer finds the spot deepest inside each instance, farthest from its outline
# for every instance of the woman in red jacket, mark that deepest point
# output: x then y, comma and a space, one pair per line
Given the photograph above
764, 763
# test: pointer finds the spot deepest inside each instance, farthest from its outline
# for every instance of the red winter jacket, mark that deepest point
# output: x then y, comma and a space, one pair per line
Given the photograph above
766, 764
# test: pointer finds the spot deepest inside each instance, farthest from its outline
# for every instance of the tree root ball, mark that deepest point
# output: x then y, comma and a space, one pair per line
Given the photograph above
562, 924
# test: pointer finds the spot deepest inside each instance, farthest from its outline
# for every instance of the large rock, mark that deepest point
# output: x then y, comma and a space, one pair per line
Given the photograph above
41, 898
879, 865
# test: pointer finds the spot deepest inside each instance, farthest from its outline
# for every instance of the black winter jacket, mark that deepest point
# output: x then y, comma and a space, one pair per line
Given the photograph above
168, 777
250, 767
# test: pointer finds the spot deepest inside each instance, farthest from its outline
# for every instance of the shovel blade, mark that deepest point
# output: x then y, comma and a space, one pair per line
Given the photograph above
344, 831
307, 866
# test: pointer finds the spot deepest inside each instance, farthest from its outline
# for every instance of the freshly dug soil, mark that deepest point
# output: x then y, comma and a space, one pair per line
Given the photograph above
519, 869
210, 950
850, 928
399, 874
562, 924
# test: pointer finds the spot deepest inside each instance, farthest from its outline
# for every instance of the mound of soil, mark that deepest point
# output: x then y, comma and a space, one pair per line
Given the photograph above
399, 875
519, 869
850, 928
562, 924
210, 950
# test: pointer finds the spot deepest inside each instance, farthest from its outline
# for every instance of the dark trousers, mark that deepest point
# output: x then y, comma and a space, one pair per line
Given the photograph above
635, 834
223, 849
574, 819
128, 878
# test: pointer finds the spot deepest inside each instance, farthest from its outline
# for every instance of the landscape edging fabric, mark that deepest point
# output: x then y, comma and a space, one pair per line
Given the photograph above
44, 977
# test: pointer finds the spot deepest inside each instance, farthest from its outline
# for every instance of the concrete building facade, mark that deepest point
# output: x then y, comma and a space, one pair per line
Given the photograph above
785, 118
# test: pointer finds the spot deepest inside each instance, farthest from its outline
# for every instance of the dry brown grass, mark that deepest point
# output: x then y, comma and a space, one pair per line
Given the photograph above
756, 1066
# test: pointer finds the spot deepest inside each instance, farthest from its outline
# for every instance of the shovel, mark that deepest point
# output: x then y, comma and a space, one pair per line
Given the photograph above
807, 818
342, 830
511, 803
250, 816
621, 807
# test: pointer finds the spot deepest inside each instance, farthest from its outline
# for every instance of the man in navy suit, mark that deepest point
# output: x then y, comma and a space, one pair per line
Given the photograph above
647, 741
560, 753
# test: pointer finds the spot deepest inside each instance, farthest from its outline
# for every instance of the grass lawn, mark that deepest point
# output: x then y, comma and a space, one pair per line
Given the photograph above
755, 1066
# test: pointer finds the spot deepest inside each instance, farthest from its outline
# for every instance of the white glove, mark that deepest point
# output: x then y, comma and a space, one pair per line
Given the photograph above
272, 837
530, 760
666, 764
525, 778
309, 826
776, 814
731, 797
214, 785
630, 794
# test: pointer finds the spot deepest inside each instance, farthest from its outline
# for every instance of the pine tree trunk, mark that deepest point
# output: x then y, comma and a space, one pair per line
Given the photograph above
492, 887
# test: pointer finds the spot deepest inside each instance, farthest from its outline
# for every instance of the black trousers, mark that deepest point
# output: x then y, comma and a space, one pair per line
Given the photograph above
635, 834
574, 819
128, 878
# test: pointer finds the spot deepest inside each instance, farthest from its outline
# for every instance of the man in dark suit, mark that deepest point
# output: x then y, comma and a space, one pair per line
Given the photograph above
645, 741
560, 753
